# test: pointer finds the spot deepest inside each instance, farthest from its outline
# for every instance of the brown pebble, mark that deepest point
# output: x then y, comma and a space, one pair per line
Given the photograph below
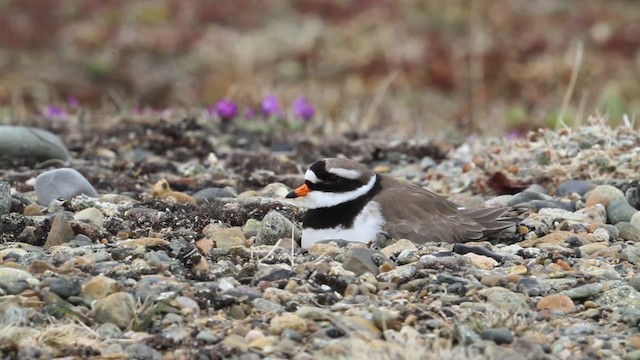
32, 210
556, 302
634, 341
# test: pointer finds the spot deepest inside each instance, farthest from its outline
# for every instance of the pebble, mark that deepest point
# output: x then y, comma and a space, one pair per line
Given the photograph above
90, 215
142, 351
498, 335
360, 261
506, 299
228, 238
635, 282
212, 194
99, 287
635, 219
568, 187
15, 281
603, 194
584, 291
32, 143
628, 232
5, 198
65, 287
61, 183
481, 261
556, 302
287, 321
117, 308
60, 232
274, 227
399, 246
619, 210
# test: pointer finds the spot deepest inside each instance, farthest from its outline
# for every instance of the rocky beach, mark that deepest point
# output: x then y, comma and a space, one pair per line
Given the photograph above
173, 240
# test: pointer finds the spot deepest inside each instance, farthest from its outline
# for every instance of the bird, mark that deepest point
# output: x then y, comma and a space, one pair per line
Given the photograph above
346, 200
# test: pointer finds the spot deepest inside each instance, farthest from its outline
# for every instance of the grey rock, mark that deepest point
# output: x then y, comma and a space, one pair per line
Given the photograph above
90, 215
109, 331
464, 335
505, 299
628, 232
578, 329
140, 351
28, 142
499, 335
264, 306
580, 187
360, 261
61, 183
619, 210
292, 335
208, 337
633, 197
544, 204
631, 253
635, 282
624, 300
399, 275
117, 308
274, 227
65, 287
5, 198
15, 281
584, 291
613, 231
526, 196
213, 193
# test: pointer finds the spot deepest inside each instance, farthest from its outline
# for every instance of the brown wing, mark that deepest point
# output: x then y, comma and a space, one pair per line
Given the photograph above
427, 216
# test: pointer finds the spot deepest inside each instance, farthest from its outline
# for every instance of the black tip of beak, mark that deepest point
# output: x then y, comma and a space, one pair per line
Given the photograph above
291, 195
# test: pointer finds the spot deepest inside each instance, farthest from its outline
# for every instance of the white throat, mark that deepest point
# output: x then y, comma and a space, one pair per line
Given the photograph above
321, 199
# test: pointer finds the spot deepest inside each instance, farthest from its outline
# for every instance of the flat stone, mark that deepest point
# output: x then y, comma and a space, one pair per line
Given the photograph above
144, 241
399, 246
29, 142
584, 291
61, 183
498, 335
568, 187
481, 261
505, 299
228, 238
15, 281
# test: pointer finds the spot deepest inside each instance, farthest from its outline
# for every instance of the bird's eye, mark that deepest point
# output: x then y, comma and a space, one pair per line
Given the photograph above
332, 178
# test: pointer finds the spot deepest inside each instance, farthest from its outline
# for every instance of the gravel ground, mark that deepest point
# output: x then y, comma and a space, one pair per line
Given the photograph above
174, 241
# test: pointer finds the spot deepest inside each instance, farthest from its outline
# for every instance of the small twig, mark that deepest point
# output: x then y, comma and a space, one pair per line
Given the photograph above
577, 63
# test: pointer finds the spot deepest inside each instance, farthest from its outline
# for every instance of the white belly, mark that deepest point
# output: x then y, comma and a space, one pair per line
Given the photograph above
365, 229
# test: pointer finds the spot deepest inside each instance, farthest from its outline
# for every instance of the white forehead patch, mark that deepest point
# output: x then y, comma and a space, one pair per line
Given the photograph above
309, 175
346, 173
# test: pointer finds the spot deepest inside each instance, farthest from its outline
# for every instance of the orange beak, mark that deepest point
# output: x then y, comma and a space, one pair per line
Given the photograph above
301, 190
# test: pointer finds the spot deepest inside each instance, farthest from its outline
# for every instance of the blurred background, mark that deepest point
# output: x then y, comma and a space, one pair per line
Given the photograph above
402, 67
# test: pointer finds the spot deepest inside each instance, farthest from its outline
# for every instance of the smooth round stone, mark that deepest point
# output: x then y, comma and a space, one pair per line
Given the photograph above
117, 308
633, 196
360, 261
619, 210
5, 198
208, 337
603, 194
29, 142
499, 335
99, 287
228, 238
274, 190
527, 196
556, 302
628, 232
214, 193
574, 186
61, 183
90, 215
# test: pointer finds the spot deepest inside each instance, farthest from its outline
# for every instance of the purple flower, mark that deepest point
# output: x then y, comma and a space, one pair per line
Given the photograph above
72, 102
303, 108
271, 106
53, 112
249, 114
226, 110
